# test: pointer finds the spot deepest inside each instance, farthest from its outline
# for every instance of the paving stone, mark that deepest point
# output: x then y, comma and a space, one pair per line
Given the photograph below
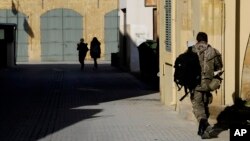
49, 102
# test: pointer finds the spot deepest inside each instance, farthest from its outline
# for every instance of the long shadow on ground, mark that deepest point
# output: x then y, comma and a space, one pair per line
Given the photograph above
38, 100
232, 117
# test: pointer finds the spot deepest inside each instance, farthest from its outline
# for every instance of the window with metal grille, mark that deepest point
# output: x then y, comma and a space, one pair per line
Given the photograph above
168, 24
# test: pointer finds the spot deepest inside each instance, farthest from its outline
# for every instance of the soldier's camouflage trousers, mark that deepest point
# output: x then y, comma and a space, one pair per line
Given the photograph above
200, 102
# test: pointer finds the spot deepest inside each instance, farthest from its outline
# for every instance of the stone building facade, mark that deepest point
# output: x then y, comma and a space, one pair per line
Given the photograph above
48, 30
227, 24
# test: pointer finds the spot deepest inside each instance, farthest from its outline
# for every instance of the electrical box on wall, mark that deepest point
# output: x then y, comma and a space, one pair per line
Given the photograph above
1, 34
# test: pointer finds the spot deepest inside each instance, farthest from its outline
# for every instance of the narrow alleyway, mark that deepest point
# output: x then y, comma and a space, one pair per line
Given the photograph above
62, 103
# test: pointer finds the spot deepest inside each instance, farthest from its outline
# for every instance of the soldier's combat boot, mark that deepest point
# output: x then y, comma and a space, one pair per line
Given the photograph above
202, 126
208, 133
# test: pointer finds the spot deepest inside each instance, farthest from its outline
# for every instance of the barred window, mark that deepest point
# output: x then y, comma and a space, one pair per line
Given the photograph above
168, 24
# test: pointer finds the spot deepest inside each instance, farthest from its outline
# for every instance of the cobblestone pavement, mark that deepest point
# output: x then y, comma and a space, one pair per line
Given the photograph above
61, 103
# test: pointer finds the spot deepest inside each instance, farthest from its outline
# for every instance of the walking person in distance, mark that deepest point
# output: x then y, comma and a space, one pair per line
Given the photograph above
95, 51
82, 51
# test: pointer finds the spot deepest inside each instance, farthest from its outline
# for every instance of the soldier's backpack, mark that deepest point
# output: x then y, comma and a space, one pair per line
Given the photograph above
187, 71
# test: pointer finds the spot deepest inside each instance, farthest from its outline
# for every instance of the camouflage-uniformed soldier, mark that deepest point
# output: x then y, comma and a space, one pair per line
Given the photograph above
202, 96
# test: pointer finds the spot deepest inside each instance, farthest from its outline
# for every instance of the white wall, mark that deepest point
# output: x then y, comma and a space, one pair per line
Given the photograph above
139, 28
122, 4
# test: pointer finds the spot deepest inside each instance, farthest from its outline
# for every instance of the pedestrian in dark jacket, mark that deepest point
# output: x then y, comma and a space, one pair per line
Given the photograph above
95, 50
82, 49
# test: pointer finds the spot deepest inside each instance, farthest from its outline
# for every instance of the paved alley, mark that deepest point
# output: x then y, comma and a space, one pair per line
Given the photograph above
51, 102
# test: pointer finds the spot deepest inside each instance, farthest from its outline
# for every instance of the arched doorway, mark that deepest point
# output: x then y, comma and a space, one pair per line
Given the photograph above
8, 16
111, 33
61, 29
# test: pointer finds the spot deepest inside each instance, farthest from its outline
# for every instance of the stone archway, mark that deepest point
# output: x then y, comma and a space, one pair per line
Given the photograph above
61, 29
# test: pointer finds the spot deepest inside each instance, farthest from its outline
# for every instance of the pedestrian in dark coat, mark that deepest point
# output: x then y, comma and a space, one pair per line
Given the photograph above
95, 50
82, 51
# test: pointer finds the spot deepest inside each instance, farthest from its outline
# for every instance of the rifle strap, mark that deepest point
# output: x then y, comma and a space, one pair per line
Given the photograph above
186, 93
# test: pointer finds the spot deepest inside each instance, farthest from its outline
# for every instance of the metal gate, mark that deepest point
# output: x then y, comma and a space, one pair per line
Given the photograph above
8, 16
111, 33
61, 30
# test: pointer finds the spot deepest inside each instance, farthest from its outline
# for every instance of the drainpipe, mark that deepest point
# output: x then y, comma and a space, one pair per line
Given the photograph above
237, 50
173, 49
